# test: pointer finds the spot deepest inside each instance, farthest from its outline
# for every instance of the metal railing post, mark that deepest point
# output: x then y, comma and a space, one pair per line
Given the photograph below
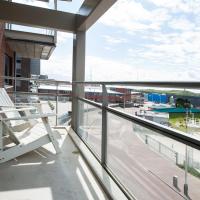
57, 103
176, 157
104, 125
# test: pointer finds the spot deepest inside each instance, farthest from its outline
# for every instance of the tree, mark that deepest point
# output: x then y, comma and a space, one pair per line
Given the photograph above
183, 103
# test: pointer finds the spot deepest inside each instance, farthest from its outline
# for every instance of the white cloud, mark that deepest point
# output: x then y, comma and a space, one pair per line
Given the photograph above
132, 16
179, 6
58, 67
181, 24
101, 69
114, 40
166, 39
174, 5
178, 48
105, 69
62, 37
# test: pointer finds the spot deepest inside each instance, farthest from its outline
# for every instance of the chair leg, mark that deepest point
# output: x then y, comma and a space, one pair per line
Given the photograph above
51, 134
21, 149
11, 133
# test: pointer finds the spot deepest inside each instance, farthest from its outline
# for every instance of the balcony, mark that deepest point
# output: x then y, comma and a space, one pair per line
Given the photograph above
30, 44
41, 172
119, 140
140, 158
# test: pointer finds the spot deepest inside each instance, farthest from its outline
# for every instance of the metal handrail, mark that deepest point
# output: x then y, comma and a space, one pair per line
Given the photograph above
55, 83
166, 84
39, 93
168, 132
47, 32
163, 130
37, 80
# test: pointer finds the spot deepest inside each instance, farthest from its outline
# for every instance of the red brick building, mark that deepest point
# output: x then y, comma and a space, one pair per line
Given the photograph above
7, 59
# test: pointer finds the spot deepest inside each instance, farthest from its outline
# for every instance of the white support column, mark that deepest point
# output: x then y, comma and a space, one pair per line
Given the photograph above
78, 74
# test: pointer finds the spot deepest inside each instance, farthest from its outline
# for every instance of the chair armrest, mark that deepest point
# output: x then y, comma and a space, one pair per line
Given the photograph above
35, 116
21, 104
17, 109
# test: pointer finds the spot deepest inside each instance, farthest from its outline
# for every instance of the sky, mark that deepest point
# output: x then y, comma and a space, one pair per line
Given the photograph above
135, 40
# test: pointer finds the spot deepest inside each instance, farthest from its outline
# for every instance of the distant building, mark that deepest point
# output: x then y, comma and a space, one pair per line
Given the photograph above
42, 76
26, 67
92, 93
124, 90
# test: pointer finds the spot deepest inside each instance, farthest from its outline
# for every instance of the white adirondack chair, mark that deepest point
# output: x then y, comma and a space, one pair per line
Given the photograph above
7, 104
24, 131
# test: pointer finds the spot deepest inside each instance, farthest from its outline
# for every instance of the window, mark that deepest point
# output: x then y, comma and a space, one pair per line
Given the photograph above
8, 69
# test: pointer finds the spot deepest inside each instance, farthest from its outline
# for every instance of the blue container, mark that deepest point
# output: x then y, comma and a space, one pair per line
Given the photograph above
157, 98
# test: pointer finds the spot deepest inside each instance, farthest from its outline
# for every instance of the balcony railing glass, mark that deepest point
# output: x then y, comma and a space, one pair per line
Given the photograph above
28, 29
148, 159
151, 165
90, 126
53, 96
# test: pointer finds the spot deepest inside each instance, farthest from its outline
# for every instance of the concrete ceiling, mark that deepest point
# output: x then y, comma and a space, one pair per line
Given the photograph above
30, 45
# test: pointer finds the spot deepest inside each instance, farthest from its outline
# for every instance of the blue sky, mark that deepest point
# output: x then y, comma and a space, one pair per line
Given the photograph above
136, 40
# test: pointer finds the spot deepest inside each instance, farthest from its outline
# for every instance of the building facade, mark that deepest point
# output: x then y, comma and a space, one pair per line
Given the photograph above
26, 67
15, 63
7, 59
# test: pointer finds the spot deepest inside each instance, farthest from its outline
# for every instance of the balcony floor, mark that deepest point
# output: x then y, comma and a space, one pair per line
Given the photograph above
43, 175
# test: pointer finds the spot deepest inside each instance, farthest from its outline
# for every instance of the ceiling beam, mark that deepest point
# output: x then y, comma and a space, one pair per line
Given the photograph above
90, 12
37, 17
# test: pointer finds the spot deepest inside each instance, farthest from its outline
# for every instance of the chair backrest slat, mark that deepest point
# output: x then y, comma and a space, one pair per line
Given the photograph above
6, 101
